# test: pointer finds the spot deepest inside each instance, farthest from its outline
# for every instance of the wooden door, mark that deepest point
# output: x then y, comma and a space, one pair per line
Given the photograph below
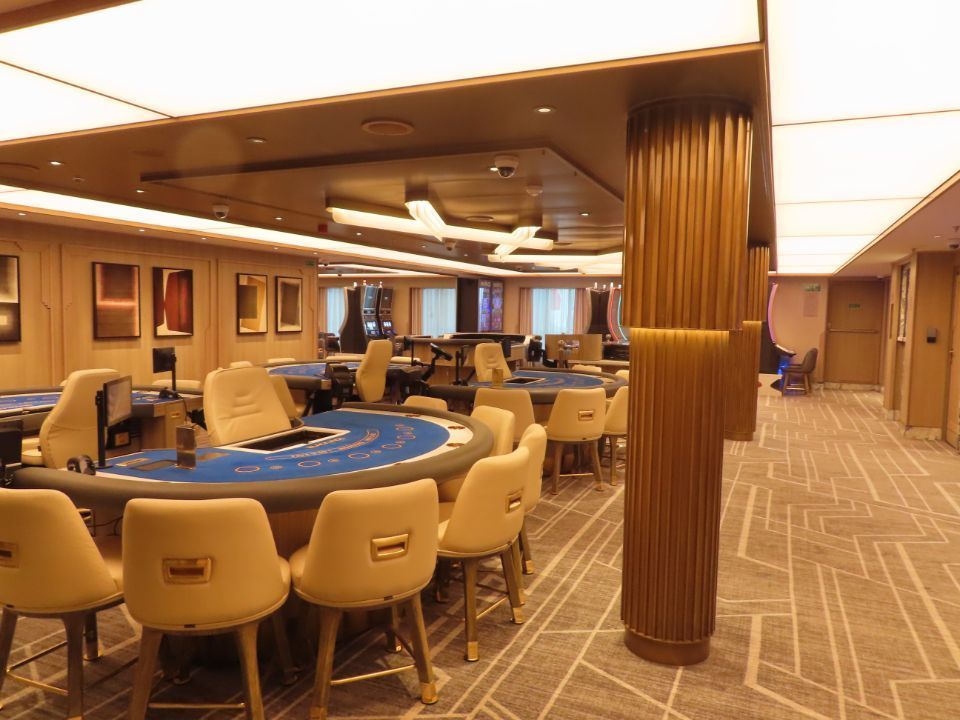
854, 327
953, 397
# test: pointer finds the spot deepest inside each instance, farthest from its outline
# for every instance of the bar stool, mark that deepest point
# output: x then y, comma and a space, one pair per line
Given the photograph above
201, 567
501, 423
535, 441
50, 567
484, 522
513, 399
426, 402
576, 418
615, 426
370, 549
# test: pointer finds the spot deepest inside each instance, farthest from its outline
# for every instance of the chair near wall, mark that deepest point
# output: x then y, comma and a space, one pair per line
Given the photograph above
201, 567
486, 358
615, 426
371, 377
577, 418
511, 399
426, 402
501, 423
591, 347
534, 439
625, 374
51, 568
485, 522
796, 378
369, 550
71, 427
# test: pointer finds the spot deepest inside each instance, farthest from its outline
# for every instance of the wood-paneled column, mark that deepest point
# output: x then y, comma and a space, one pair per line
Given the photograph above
743, 356
688, 179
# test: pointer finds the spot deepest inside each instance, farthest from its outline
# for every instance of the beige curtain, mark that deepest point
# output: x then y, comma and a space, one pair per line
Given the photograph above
581, 311
322, 309
416, 311
525, 311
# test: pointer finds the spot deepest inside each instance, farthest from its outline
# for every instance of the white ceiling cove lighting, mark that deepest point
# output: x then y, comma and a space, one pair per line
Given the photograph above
423, 212
604, 264
221, 73
857, 217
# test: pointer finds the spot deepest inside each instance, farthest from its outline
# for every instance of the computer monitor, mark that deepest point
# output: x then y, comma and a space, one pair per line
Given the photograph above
114, 405
165, 360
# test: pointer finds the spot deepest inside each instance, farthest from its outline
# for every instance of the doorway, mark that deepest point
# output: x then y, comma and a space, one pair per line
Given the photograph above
854, 332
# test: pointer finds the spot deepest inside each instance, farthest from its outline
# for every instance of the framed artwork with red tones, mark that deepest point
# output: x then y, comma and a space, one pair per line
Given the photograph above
172, 302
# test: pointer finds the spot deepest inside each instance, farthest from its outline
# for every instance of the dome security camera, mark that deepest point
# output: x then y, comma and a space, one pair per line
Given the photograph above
506, 165
221, 210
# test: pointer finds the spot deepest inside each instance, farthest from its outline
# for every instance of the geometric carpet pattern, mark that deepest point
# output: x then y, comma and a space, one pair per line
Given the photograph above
839, 598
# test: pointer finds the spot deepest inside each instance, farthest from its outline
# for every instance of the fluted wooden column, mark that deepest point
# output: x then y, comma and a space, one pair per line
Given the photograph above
688, 173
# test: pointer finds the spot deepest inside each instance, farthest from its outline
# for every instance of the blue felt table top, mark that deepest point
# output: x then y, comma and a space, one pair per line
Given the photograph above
552, 380
316, 369
371, 440
26, 402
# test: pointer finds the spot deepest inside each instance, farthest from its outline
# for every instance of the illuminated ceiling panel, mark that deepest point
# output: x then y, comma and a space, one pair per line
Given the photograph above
35, 105
834, 246
237, 55
865, 217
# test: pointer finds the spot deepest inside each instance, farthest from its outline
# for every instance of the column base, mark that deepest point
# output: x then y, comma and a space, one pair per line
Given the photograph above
665, 652
732, 435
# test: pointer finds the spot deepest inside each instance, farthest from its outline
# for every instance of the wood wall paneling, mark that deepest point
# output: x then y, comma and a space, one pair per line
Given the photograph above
952, 422
855, 316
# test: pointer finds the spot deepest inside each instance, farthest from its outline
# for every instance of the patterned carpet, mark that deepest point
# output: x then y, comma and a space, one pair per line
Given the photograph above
839, 587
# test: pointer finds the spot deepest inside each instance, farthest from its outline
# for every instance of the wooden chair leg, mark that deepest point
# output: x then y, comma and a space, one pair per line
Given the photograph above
143, 673
74, 625
470, 609
246, 636
597, 470
8, 625
511, 577
518, 570
329, 623
421, 650
557, 458
282, 643
91, 639
525, 551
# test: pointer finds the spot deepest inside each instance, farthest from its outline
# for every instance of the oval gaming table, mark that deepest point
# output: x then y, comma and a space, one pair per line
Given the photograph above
310, 377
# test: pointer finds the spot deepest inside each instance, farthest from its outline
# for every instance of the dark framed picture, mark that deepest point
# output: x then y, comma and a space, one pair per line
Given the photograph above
289, 304
172, 302
9, 298
251, 304
116, 301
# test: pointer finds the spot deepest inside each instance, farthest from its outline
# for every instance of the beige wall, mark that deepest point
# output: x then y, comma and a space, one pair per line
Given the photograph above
800, 317
56, 281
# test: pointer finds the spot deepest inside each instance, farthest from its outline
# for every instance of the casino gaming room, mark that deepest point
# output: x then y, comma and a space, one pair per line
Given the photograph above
504, 360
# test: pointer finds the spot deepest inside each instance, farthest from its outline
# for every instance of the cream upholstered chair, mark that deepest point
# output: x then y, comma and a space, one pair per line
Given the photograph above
501, 423
371, 377
50, 567
241, 403
426, 402
534, 439
241, 364
486, 357
615, 426
182, 384
286, 397
281, 360
370, 549
625, 374
591, 346
577, 418
587, 368
515, 400
71, 427
201, 567
485, 522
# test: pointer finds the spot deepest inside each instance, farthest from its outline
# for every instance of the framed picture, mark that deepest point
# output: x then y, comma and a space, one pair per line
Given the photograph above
172, 302
251, 304
902, 306
289, 310
116, 301
9, 298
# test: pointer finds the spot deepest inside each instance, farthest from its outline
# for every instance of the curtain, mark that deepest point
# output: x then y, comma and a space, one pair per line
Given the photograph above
581, 311
336, 309
439, 311
553, 311
526, 312
416, 311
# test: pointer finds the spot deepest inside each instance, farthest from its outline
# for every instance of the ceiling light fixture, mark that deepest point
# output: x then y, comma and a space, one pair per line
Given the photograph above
387, 127
140, 191
22, 214
278, 218
545, 109
424, 212
584, 214
256, 140
56, 163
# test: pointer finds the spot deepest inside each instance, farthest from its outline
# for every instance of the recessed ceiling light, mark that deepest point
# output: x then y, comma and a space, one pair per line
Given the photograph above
545, 109
492, 168
278, 218
78, 179
140, 230
256, 140
21, 214
387, 127
584, 214
937, 237
141, 190
359, 234
480, 218
56, 163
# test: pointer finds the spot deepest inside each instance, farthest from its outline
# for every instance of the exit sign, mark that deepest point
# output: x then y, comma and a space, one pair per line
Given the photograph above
812, 287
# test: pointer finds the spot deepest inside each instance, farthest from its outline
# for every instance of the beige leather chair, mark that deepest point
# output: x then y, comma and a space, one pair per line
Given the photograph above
625, 374
371, 377
534, 439
71, 427
513, 399
426, 402
484, 522
182, 384
240, 404
615, 426
587, 368
591, 347
281, 360
50, 568
577, 418
501, 423
370, 549
201, 567
486, 357
241, 364
286, 398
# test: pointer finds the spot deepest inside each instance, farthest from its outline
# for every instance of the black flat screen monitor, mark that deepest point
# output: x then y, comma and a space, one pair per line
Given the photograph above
164, 359
117, 400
